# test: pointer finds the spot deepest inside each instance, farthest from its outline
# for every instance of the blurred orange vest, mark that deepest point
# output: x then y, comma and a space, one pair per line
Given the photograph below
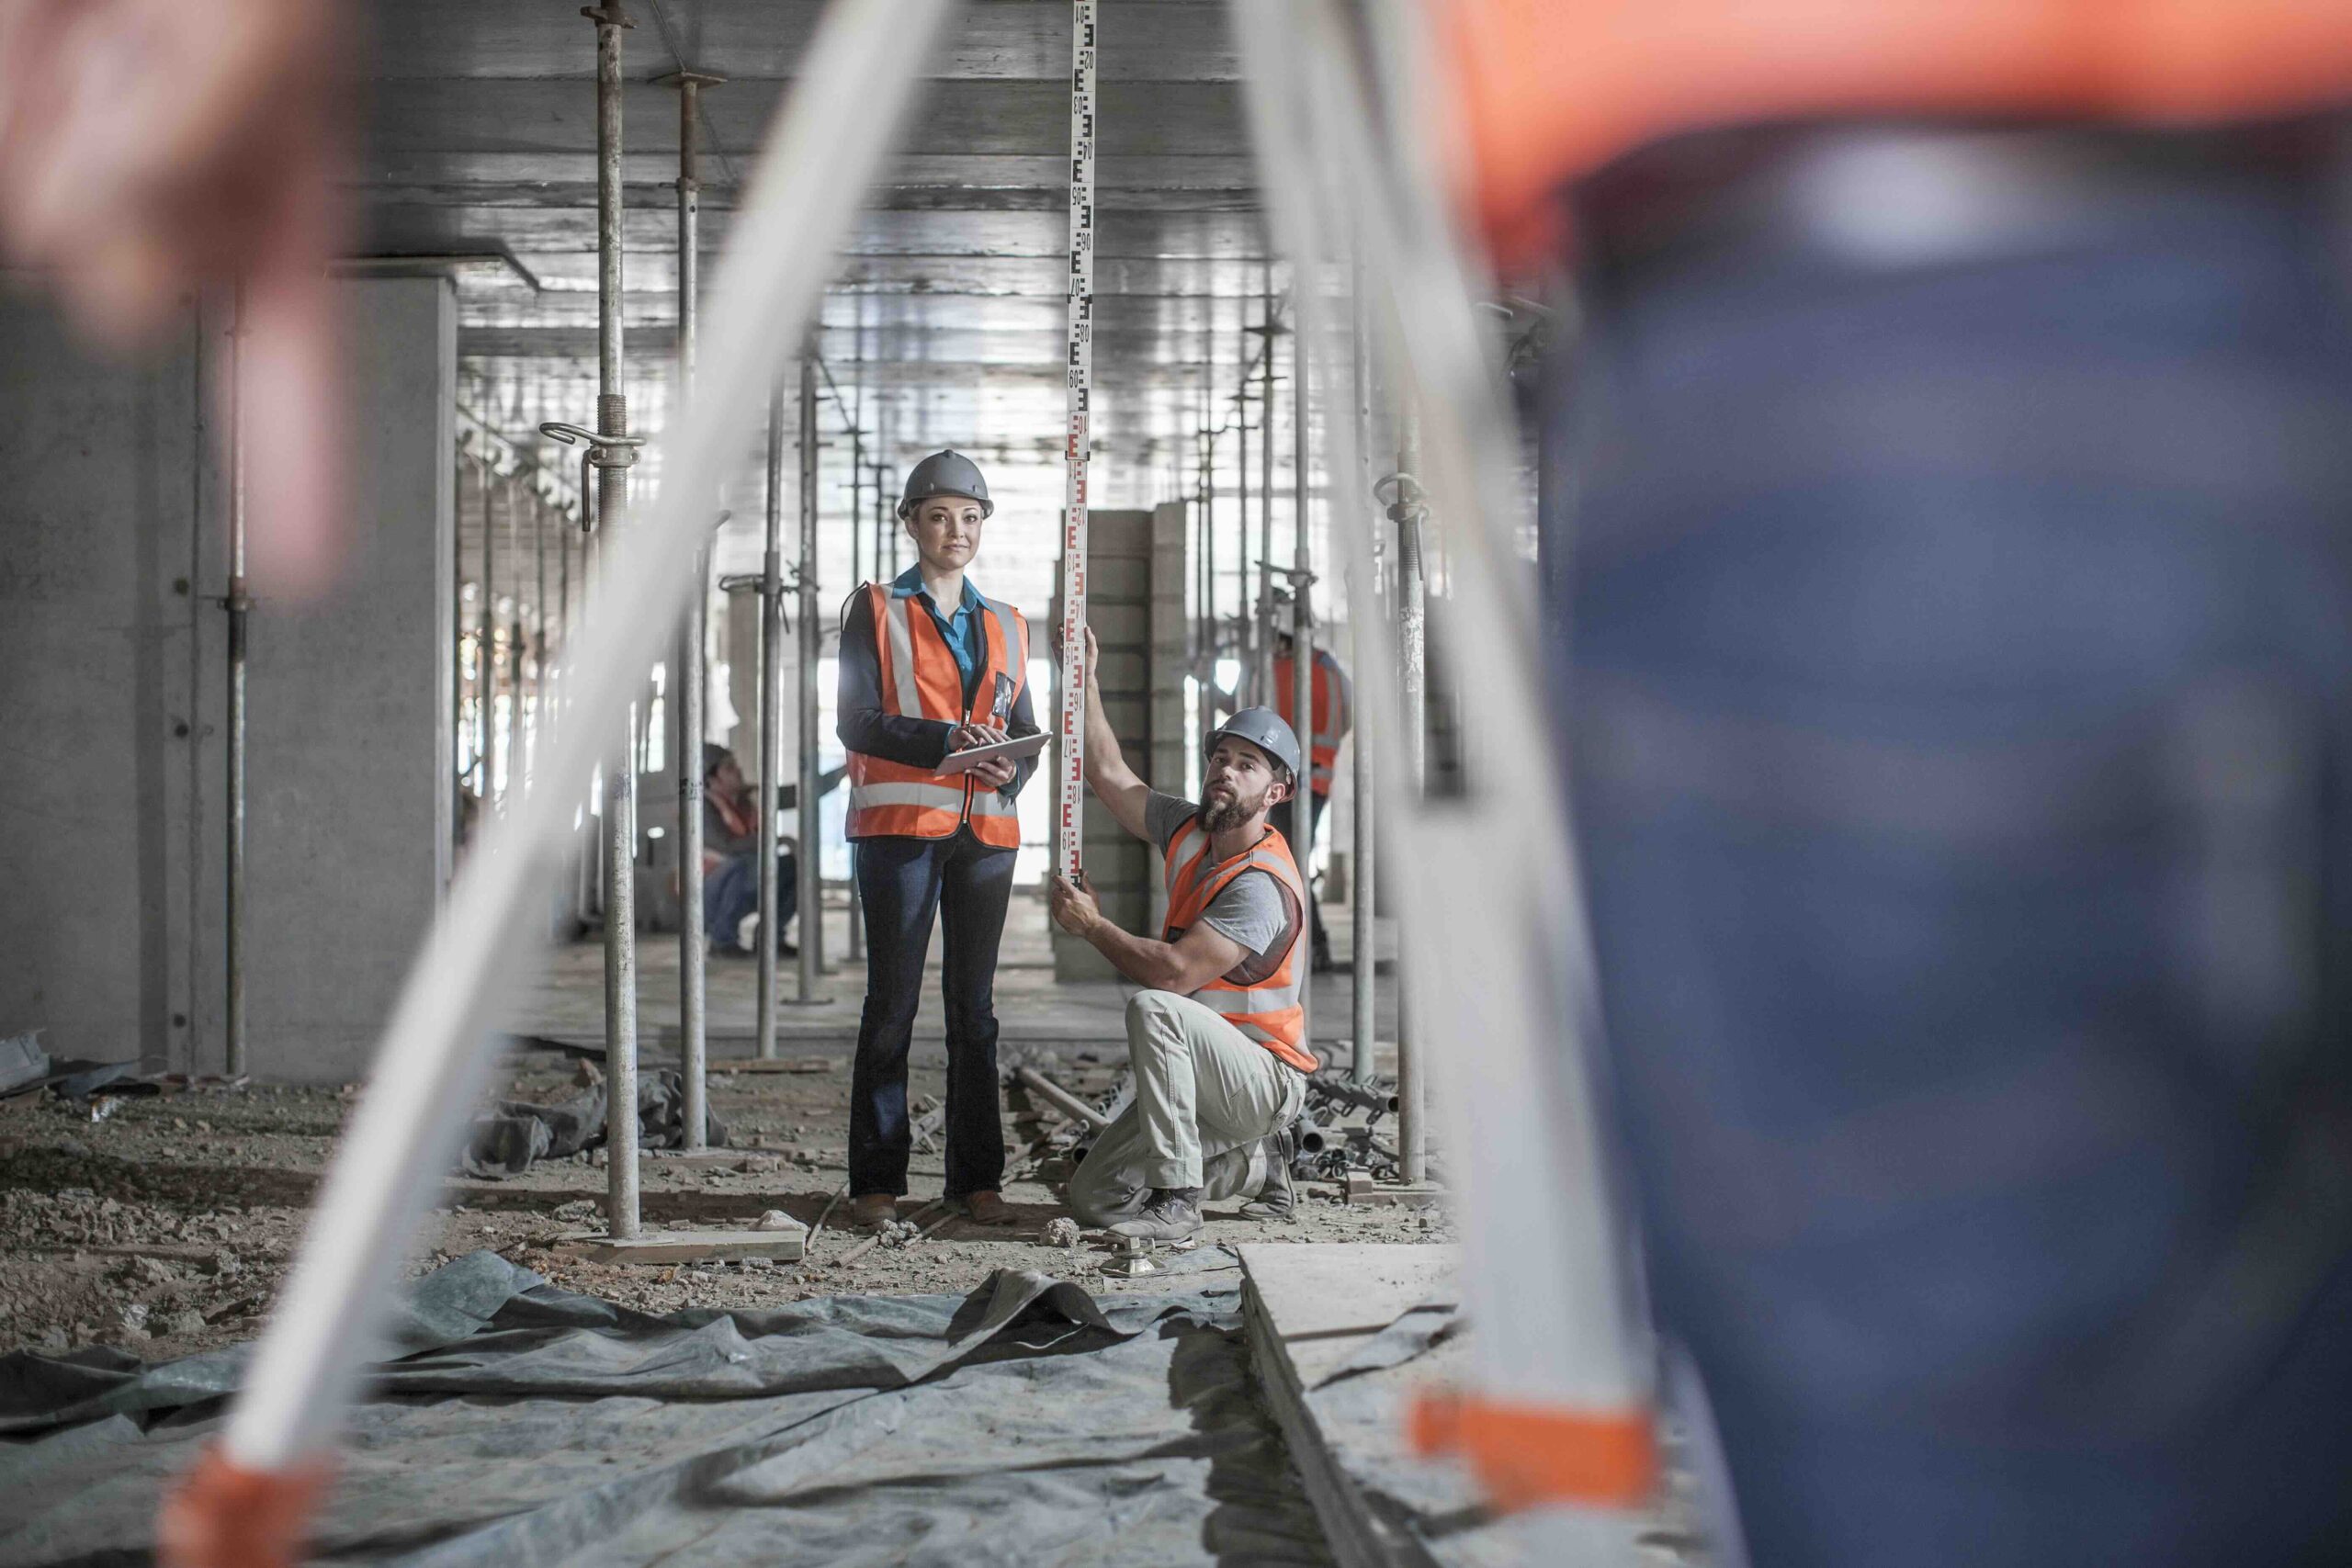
1548, 90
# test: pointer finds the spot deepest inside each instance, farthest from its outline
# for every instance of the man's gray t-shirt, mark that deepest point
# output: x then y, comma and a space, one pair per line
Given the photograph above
1254, 911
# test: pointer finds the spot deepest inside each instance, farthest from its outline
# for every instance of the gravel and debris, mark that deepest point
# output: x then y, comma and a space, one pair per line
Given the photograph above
168, 1227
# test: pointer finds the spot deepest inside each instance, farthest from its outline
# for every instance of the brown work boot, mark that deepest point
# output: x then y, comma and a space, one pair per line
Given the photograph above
987, 1206
870, 1211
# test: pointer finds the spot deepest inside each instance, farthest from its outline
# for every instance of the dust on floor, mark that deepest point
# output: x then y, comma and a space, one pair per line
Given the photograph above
167, 1227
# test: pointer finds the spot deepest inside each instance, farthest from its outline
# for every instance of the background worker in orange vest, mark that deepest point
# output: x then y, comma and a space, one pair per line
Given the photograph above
1334, 708
1215, 1038
1957, 670
930, 665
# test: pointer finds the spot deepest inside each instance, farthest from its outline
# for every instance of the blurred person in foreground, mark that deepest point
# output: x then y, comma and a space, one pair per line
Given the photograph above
1960, 683
150, 147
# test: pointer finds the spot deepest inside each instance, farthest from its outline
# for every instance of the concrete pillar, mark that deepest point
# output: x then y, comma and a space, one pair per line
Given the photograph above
112, 563
101, 692
350, 710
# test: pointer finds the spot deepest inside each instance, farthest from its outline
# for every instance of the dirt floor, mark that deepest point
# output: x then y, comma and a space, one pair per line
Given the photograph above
166, 1226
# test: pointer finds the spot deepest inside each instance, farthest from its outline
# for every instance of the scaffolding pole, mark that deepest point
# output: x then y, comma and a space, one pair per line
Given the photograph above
239, 605
620, 782
812, 884
694, 945
771, 721
1412, 629
1302, 648
1363, 604
1264, 684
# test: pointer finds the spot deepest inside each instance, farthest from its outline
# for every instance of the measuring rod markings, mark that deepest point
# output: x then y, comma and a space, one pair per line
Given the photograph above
1080, 378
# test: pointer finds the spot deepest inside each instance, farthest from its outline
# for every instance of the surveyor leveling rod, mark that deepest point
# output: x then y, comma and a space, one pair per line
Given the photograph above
1070, 799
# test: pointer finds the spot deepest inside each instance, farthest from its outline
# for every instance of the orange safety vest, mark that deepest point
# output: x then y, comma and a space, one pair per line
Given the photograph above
1268, 1011
920, 680
1332, 718
1546, 91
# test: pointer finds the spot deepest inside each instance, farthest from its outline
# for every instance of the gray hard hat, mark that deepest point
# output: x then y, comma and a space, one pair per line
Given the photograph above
1262, 727
945, 473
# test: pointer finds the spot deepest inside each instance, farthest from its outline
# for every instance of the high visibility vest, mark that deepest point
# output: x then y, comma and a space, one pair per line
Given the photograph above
1269, 1010
1548, 90
1332, 718
920, 680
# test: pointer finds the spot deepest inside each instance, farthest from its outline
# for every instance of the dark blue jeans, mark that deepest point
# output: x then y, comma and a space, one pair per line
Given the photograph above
1961, 663
733, 891
903, 884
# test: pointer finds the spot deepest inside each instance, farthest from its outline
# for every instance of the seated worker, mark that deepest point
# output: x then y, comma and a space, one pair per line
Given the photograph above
731, 852
1220, 1069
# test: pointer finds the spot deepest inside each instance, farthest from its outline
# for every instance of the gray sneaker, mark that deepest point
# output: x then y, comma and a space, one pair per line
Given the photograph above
1171, 1214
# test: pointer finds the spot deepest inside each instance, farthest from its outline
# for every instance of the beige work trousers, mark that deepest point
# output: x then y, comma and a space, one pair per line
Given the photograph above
1205, 1094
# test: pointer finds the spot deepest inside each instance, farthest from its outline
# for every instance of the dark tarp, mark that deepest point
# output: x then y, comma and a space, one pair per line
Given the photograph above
1028, 1423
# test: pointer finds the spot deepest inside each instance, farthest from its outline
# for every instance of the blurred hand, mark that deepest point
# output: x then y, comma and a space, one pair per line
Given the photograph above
149, 146
967, 736
995, 774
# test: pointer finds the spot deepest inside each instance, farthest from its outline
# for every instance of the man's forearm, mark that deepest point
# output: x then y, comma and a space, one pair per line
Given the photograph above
1153, 965
1103, 759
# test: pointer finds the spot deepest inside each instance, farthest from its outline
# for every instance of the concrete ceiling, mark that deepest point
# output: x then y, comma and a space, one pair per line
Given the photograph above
945, 323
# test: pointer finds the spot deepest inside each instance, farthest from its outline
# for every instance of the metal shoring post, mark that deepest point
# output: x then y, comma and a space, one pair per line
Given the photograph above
771, 717
1244, 652
1364, 603
539, 635
813, 885
486, 650
513, 746
239, 605
856, 528
620, 782
1265, 643
1302, 647
457, 655
1070, 803
1412, 626
694, 948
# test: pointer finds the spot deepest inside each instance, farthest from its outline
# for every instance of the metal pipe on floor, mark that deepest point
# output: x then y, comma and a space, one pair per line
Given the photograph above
239, 605
812, 886
1412, 624
771, 717
620, 783
1060, 1098
694, 947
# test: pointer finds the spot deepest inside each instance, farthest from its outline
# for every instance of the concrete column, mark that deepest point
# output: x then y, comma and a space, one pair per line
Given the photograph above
104, 710
1119, 607
351, 740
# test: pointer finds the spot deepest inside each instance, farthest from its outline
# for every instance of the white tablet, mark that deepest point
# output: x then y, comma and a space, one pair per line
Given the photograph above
1012, 750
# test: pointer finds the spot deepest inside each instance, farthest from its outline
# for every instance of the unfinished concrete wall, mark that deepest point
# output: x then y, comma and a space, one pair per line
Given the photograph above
350, 730
113, 559
108, 465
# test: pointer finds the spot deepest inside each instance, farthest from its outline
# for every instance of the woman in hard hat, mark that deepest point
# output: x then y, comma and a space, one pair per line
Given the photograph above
929, 666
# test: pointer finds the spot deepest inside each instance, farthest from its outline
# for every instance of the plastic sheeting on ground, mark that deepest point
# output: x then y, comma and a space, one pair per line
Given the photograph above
523, 1424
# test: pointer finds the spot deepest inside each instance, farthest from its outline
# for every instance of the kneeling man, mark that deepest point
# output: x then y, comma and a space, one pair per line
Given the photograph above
1220, 1069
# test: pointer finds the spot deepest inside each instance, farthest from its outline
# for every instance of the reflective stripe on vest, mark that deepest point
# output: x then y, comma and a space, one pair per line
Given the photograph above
919, 679
1269, 1010
1331, 717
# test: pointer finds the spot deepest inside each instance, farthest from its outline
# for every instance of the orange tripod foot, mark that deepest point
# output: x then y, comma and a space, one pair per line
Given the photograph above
223, 1516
